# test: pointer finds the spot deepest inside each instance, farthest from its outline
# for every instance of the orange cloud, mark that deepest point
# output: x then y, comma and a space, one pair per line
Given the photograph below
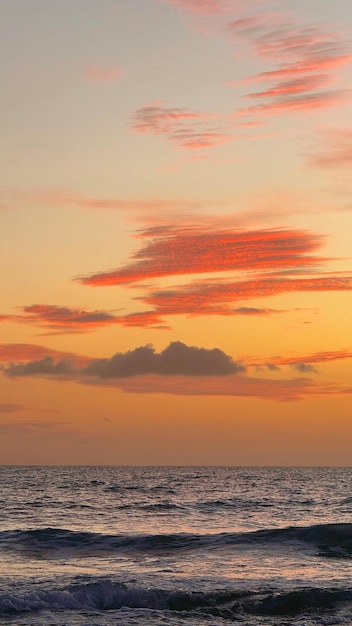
62, 320
193, 251
318, 357
21, 352
217, 298
302, 363
102, 73
283, 390
143, 319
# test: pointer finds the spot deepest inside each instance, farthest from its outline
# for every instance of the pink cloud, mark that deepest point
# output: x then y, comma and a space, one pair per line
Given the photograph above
202, 7
69, 198
301, 53
336, 149
187, 129
307, 102
100, 73
299, 85
302, 67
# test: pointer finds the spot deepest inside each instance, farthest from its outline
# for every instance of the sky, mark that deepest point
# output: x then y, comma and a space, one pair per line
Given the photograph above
175, 232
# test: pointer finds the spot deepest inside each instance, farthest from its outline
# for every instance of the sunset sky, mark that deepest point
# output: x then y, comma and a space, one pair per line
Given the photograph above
175, 232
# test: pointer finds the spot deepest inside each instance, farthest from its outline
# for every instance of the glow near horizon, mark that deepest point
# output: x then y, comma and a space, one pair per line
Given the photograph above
215, 146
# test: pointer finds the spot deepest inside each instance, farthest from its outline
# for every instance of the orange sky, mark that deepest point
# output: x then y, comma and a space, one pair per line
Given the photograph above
176, 233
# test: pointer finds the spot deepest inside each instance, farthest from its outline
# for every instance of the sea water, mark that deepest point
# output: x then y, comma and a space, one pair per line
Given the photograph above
190, 546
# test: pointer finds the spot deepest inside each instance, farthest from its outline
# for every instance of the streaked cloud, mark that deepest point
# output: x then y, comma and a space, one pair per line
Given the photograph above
102, 73
280, 390
130, 205
295, 86
208, 297
203, 7
63, 318
60, 320
262, 264
185, 128
21, 352
308, 102
11, 408
335, 150
307, 58
302, 363
192, 251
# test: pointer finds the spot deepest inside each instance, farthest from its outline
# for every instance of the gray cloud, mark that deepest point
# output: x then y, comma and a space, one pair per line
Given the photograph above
41, 367
304, 368
272, 367
176, 359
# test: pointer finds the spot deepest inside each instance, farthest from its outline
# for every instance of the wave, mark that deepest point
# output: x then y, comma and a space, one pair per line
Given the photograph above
105, 595
331, 540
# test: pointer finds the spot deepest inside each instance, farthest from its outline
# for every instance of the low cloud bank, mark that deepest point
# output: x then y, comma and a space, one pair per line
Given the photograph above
177, 359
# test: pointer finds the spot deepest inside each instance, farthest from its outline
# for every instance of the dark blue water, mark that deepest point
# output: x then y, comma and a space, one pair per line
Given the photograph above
171, 546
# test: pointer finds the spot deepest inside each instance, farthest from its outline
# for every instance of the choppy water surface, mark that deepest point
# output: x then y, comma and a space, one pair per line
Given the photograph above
175, 546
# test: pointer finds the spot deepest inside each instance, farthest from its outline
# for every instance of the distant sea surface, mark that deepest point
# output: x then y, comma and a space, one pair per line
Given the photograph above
175, 546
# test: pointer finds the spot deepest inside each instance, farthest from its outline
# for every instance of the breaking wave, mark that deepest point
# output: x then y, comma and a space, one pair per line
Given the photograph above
331, 540
105, 595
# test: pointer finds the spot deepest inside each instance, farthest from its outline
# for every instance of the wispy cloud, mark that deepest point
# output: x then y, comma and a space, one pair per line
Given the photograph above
130, 205
102, 73
283, 390
59, 320
203, 7
307, 363
335, 150
37, 429
306, 56
21, 352
208, 297
295, 86
185, 128
11, 408
63, 318
308, 102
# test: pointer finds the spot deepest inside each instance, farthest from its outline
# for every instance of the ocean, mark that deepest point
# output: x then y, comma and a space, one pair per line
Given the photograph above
175, 546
